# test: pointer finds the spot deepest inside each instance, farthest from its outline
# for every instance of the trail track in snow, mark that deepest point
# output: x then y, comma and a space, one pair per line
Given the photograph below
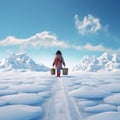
61, 106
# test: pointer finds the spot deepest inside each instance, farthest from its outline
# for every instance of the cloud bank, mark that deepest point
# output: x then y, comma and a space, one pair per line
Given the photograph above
93, 48
89, 24
44, 39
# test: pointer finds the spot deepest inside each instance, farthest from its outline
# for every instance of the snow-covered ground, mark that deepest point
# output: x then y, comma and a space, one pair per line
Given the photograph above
78, 96
107, 61
20, 62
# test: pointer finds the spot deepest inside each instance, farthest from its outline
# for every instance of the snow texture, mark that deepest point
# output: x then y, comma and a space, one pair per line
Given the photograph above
20, 62
89, 92
113, 99
106, 61
79, 96
101, 108
19, 112
106, 116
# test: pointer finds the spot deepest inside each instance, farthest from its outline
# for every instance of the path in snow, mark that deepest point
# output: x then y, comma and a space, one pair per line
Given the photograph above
61, 105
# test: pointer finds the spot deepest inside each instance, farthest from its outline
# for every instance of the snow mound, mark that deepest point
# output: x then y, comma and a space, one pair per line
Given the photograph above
113, 99
101, 108
87, 103
89, 92
106, 61
20, 62
112, 87
27, 98
7, 92
28, 88
20, 112
105, 116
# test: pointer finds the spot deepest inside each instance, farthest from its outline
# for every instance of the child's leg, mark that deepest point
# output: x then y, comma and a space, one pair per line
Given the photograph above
58, 72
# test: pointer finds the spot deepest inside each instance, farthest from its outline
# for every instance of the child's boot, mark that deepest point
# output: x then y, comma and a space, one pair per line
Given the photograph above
58, 74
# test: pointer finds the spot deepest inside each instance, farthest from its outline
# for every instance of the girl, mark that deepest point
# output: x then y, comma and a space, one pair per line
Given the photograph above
58, 61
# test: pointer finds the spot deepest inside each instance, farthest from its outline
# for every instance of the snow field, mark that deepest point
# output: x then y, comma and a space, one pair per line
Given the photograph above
107, 61
20, 112
22, 95
96, 94
78, 96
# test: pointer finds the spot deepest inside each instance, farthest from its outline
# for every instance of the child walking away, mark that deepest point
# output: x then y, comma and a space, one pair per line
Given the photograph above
58, 61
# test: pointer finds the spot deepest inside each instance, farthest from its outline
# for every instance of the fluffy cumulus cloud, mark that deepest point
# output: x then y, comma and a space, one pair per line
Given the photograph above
44, 39
89, 24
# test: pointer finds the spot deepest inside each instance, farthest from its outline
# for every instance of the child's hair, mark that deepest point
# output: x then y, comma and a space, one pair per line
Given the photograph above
59, 52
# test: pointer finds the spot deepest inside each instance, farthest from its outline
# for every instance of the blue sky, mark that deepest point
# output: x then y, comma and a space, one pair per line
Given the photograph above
76, 27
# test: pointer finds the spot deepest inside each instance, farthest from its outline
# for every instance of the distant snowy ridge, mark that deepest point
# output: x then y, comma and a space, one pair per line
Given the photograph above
106, 61
20, 62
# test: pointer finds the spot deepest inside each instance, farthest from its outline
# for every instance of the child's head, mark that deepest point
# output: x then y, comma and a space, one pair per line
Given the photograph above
58, 52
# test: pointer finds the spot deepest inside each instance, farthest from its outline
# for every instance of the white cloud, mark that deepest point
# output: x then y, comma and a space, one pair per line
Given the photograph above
11, 41
99, 48
90, 24
47, 39
40, 39
94, 48
90, 47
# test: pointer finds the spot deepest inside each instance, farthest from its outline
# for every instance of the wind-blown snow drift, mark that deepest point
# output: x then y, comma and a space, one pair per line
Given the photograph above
21, 62
106, 61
